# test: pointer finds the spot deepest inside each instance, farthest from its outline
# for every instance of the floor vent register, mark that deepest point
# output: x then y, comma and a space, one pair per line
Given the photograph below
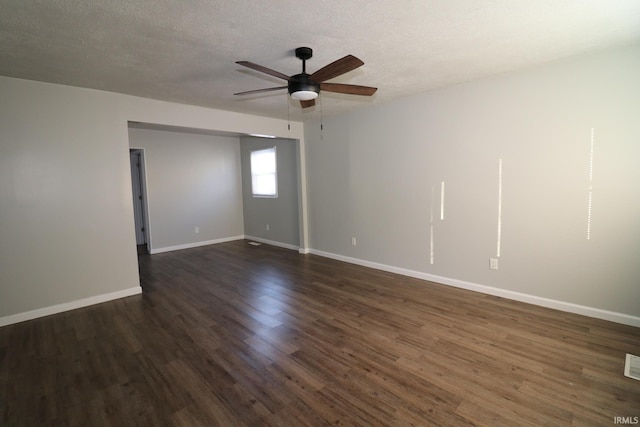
632, 367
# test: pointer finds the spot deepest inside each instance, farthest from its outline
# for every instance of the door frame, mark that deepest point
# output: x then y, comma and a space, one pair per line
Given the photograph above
144, 203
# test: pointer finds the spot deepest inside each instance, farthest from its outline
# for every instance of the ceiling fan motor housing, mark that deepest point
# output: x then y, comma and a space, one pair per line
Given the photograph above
301, 82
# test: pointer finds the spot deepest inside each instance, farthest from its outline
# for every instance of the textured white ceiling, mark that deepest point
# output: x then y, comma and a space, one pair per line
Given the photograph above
185, 50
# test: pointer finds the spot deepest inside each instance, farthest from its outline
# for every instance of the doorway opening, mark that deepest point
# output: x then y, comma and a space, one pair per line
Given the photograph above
138, 187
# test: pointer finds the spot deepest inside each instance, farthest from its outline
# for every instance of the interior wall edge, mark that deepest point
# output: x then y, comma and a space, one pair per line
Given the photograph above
68, 306
568, 307
195, 244
273, 243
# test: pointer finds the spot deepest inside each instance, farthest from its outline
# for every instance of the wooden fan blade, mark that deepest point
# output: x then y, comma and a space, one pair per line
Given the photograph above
349, 89
307, 104
262, 69
336, 68
269, 89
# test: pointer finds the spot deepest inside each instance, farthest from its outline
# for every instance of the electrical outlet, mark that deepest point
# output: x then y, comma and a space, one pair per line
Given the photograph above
493, 263
267, 227
353, 241
197, 230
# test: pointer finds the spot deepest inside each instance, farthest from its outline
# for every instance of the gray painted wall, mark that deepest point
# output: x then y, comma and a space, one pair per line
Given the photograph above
66, 216
376, 175
281, 213
193, 180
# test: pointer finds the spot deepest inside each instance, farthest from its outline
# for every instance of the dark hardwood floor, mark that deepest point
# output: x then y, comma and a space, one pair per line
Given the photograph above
239, 335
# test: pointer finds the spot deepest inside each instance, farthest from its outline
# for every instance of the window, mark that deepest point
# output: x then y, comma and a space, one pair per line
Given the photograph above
264, 179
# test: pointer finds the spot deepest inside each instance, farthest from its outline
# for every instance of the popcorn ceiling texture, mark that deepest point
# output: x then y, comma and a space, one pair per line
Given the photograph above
185, 50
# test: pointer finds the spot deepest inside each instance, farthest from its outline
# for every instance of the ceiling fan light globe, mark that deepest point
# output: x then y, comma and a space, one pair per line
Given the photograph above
304, 95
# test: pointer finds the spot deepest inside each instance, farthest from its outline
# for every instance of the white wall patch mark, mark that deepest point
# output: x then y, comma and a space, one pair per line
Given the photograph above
499, 239
431, 250
442, 201
589, 204
590, 196
431, 254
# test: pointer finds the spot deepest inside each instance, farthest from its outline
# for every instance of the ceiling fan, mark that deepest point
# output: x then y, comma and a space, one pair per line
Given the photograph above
306, 87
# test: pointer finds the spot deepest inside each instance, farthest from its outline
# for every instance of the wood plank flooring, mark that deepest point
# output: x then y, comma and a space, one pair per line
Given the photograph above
238, 335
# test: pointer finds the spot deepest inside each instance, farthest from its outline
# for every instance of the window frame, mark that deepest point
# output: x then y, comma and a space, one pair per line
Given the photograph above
273, 195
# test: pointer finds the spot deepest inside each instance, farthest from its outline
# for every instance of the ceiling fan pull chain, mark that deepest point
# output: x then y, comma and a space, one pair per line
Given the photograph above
321, 115
321, 120
288, 115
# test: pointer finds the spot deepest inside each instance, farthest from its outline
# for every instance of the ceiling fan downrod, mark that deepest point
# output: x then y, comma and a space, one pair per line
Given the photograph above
304, 53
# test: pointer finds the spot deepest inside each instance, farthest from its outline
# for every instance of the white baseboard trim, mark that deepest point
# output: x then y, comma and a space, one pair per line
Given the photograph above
272, 242
59, 308
597, 313
195, 244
